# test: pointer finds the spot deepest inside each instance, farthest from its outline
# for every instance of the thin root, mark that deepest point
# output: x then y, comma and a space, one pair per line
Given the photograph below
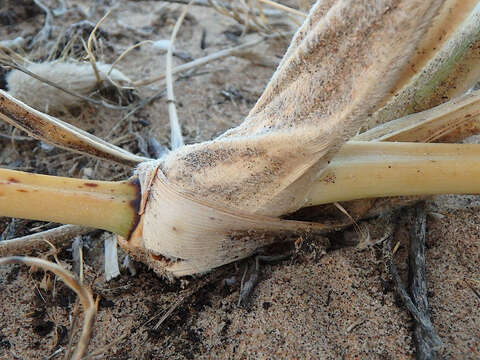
421, 318
246, 288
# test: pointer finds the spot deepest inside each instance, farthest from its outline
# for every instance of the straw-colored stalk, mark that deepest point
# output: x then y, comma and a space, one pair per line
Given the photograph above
365, 170
100, 204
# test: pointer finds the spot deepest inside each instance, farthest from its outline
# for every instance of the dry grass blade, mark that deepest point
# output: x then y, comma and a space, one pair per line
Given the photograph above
84, 294
170, 310
247, 18
128, 50
243, 15
176, 138
59, 133
449, 122
226, 5
8, 56
209, 58
283, 8
40, 241
88, 47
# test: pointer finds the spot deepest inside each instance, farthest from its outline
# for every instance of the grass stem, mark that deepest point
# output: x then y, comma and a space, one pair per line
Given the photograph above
100, 204
378, 169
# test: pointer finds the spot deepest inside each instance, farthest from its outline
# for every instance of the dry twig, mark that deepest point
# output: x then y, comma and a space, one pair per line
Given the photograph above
38, 242
209, 58
43, 34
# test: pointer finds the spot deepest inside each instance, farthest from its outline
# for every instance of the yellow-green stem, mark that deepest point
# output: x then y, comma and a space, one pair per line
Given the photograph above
377, 169
104, 205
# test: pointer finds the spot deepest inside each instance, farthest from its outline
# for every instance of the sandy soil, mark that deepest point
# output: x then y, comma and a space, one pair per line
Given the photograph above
325, 302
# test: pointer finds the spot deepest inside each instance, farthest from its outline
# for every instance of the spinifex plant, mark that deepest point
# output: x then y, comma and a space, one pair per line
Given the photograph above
351, 64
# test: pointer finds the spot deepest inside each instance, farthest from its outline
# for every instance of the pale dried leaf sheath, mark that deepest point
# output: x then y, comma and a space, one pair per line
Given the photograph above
444, 25
325, 87
453, 70
183, 235
59, 133
317, 100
